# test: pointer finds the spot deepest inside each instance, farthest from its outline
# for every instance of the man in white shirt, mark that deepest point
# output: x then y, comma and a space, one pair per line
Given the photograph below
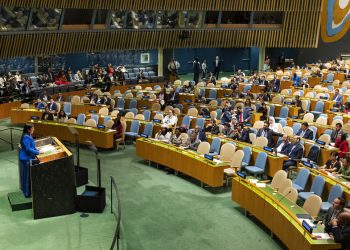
283, 145
217, 66
170, 119
204, 69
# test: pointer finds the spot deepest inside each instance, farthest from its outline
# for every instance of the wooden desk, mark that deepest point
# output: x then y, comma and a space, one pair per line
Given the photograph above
84, 109
331, 115
320, 128
279, 215
292, 110
184, 161
6, 107
325, 151
21, 116
286, 84
255, 117
273, 163
100, 137
330, 181
141, 102
220, 92
313, 81
185, 97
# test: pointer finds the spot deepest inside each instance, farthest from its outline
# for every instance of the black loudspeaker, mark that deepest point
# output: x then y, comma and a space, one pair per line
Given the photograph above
92, 200
81, 176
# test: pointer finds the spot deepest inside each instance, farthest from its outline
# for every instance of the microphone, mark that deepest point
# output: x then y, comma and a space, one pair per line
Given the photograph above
275, 150
284, 196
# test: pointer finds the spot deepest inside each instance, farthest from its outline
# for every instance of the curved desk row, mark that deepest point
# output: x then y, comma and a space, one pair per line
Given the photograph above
279, 215
330, 181
181, 160
101, 138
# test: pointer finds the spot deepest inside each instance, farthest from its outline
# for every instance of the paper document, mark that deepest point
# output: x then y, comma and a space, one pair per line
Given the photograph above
322, 236
217, 161
261, 185
253, 180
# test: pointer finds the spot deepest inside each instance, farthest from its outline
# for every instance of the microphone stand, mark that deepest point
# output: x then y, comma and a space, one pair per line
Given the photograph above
81, 173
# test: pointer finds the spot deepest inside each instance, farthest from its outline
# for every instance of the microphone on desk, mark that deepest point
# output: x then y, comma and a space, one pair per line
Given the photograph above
275, 150
284, 196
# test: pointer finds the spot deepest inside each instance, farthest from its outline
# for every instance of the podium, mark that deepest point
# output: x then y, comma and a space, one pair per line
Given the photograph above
53, 180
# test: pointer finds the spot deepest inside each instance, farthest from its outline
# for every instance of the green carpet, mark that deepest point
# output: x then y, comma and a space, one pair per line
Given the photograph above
159, 211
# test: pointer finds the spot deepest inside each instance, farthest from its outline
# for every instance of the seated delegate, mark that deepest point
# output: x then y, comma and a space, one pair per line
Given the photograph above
342, 144
332, 164
164, 134
193, 142
170, 119
179, 138
333, 213
305, 132
344, 170
295, 153
341, 229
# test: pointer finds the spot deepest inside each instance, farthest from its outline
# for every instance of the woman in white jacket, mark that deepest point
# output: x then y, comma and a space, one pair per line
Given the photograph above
164, 134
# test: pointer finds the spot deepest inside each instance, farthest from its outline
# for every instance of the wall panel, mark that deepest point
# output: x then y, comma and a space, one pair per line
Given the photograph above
238, 5
299, 30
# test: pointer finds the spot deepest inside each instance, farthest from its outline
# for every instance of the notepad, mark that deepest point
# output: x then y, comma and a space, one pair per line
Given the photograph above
253, 180
261, 185
322, 236
217, 161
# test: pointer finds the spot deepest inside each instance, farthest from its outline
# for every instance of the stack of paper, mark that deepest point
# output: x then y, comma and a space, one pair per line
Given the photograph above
322, 236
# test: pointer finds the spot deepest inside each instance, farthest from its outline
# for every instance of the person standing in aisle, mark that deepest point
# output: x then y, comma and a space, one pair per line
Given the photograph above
196, 70
217, 67
204, 69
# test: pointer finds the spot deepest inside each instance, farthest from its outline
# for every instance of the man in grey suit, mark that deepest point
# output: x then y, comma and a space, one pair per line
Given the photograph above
338, 130
333, 213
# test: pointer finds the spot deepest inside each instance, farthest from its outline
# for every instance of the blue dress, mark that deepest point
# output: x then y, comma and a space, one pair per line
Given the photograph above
27, 152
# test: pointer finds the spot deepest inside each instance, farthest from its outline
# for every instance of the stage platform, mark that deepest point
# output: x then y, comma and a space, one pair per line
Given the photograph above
19, 202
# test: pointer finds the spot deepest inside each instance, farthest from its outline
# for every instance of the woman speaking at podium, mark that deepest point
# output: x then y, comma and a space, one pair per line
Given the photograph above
28, 152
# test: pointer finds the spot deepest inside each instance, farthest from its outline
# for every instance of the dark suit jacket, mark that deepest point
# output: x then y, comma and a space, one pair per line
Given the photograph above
276, 83
53, 106
245, 136
246, 116
296, 152
286, 147
226, 116
334, 135
269, 135
215, 130
60, 99
326, 220
219, 64
309, 134
342, 236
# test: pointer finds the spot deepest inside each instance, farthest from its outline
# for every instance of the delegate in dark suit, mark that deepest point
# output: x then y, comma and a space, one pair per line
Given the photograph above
295, 153
307, 134
268, 133
342, 235
245, 135
335, 134
285, 148
53, 107
276, 83
330, 215
217, 66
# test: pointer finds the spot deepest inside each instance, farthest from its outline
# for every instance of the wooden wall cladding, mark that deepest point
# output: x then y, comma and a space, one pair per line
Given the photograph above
300, 28
229, 5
